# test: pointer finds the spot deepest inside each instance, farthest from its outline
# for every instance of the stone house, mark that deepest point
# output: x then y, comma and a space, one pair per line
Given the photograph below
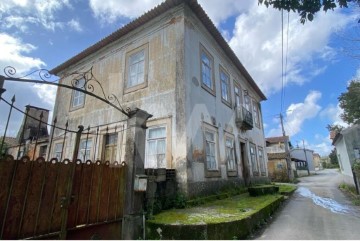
276, 152
32, 137
317, 161
173, 63
347, 144
303, 160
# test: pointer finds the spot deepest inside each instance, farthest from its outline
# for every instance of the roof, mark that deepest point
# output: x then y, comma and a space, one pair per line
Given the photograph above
150, 15
277, 139
35, 107
272, 156
344, 132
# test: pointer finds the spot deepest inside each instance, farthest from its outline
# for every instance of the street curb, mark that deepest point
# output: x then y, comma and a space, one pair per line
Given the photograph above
238, 229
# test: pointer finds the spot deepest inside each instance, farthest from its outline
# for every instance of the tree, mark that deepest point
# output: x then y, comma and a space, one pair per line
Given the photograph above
308, 8
333, 157
350, 103
335, 128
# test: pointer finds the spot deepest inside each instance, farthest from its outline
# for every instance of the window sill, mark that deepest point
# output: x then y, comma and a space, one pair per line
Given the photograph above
232, 173
212, 173
227, 103
212, 92
135, 88
76, 108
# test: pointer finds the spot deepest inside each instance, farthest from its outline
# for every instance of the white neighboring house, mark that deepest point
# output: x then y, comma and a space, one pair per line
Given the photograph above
303, 155
347, 144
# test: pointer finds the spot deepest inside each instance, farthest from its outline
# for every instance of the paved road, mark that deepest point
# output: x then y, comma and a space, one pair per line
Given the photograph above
317, 210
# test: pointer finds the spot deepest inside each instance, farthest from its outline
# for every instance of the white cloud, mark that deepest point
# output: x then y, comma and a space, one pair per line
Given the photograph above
20, 13
297, 113
47, 93
257, 41
220, 12
75, 24
109, 11
333, 113
13, 52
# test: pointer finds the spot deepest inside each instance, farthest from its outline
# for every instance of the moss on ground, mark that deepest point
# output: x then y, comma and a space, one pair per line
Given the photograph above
286, 188
226, 210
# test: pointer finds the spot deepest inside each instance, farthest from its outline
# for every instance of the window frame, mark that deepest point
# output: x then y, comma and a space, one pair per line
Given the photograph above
228, 90
261, 158
81, 95
55, 152
156, 139
168, 143
247, 97
114, 145
253, 159
230, 172
256, 113
237, 86
211, 90
214, 130
129, 54
88, 149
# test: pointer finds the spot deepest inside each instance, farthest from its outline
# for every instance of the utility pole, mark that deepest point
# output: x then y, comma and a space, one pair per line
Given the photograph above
307, 163
287, 152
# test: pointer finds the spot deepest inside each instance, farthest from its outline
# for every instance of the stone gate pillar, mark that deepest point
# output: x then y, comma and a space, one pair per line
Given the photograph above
134, 158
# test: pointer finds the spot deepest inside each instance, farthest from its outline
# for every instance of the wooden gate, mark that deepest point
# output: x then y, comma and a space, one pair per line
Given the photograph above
33, 198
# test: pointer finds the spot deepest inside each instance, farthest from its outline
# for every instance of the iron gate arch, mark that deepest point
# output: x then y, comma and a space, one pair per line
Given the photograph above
22, 201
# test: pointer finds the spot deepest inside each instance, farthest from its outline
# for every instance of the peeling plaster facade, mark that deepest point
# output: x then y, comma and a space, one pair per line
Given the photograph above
173, 93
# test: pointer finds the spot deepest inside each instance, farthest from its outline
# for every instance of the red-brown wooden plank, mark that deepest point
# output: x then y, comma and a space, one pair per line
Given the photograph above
83, 202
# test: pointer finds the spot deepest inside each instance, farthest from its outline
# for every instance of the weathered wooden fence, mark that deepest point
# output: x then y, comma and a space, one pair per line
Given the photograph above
33, 198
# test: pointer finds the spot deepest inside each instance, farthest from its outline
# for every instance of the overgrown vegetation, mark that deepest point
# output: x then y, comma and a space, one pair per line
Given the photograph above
228, 209
286, 188
351, 191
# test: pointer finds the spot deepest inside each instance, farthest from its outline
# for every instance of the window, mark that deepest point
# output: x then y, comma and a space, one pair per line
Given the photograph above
58, 151
84, 150
210, 149
156, 147
256, 114
78, 97
136, 68
261, 160
253, 158
42, 151
230, 157
225, 86
237, 92
247, 101
111, 147
207, 64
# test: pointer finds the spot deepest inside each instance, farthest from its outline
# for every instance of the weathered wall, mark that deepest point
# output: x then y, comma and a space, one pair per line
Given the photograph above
203, 107
299, 153
343, 158
163, 36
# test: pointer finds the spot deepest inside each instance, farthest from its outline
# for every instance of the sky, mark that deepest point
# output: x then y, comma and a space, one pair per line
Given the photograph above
315, 57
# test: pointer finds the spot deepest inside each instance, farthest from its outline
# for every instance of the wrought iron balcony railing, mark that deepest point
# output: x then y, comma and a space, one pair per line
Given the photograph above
244, 118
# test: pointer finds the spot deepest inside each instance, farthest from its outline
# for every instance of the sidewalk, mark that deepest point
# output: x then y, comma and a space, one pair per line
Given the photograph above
232, 218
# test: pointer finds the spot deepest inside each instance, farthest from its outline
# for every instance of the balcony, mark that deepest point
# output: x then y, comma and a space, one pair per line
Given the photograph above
244, 118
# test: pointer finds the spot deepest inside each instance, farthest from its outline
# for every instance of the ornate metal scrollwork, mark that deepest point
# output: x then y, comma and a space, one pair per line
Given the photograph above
88, 87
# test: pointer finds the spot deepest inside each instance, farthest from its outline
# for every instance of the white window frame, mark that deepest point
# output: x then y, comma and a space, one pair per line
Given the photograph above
58, 150
85, 150
112, 147
253, 158
158, 164
237, 95
230, 153
256, 113
211, 159
78, 97
247, 102
225, 85
129, 87
207, 68
261, 159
